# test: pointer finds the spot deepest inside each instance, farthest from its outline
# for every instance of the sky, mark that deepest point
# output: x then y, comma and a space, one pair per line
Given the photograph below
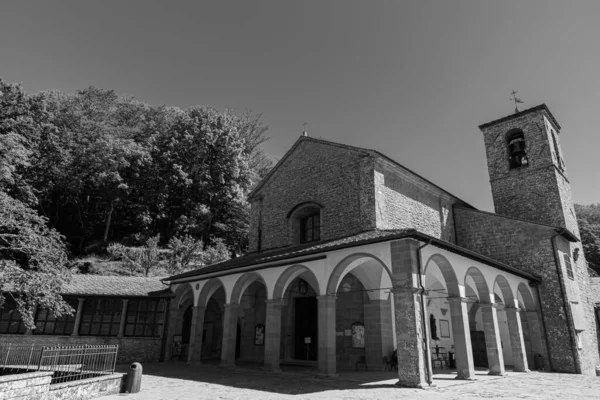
412, 79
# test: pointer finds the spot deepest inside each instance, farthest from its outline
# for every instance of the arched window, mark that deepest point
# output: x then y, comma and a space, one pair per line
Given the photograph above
305, 223
517, 155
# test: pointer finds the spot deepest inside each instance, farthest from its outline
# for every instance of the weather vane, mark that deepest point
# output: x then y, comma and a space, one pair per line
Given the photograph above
304, 129
516, 100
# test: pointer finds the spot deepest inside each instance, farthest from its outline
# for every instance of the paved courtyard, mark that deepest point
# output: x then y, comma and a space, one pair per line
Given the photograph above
178, 381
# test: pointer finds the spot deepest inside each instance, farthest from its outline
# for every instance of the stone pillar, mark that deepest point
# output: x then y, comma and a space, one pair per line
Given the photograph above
517, 343
273, 334
327, 339
196, 331
535, 333
123, 318
378, 333
174, 315
411, 338
492, 339
230, 317
78, 317
465, 368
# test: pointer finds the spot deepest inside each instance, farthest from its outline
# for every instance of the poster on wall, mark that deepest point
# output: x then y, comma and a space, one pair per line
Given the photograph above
259, 335
358, 335
444, 328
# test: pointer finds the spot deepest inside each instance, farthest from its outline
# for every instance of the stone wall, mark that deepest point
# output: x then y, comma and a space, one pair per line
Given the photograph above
36, 386
85, 389
130, 349
405, 200
31, 385
528, 246
334, 176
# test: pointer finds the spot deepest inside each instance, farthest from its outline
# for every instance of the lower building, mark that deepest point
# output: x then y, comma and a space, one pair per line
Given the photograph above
109, 310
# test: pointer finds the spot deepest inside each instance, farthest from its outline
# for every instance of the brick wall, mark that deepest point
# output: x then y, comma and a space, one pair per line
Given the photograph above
404, 200
528, 247
328, 174
130, 349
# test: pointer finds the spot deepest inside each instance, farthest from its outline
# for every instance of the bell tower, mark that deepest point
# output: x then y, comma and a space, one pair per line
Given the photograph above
527, 172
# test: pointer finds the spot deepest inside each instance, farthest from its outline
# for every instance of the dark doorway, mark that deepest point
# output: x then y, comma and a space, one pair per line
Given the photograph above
479, 350
238, 341
187, 325
306, 326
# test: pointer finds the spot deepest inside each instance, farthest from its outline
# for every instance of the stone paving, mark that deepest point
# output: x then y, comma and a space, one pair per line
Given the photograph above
179, 381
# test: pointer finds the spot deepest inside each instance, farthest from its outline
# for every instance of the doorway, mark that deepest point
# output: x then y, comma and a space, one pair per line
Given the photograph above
306, 326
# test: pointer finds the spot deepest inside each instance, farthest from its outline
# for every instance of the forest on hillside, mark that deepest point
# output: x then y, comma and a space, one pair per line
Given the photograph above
111, 180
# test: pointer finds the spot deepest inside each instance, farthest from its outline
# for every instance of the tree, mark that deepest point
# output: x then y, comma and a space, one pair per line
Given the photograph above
588, 218
32, 261
32, 256
138, 259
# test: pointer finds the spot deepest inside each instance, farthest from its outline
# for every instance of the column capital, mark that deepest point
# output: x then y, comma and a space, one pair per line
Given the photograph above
326, 297
513, 309
488, 305
403, 290
198, 308
457, 299
275, 302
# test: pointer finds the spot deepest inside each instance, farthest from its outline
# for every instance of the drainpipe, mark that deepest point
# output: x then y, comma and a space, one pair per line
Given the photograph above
423, 316
568, 313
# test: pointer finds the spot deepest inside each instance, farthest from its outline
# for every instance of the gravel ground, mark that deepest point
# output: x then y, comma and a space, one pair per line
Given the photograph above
178, 381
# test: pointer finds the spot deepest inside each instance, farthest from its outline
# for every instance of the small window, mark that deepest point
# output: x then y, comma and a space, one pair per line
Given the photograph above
517, 155
559, 160
311, 228
569, 267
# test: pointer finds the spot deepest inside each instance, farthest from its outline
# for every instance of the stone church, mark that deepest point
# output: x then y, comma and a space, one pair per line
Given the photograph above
356, 261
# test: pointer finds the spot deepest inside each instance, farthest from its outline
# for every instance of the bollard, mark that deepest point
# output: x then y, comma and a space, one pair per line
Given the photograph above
134, 378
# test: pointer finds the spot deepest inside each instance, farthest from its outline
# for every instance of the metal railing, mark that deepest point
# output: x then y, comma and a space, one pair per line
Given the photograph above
68, 363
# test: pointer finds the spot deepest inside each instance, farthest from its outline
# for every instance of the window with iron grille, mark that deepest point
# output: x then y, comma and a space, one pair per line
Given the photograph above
569, 266
145, 317
46, 323
10, 318
101, 317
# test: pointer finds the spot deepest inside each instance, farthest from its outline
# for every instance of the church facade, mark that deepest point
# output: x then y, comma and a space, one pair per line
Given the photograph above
356, 261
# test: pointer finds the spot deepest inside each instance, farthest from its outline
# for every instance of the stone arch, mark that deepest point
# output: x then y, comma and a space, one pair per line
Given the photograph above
505, 289
364, 270
182, 293
292, 273
242, 284
208, 290
527, 297
448, 273
483, 291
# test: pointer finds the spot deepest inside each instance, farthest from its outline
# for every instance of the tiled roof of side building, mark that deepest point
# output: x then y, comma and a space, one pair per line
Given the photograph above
314, 249
98, 285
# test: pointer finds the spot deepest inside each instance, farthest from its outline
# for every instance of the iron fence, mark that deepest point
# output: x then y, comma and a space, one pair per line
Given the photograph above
68, 363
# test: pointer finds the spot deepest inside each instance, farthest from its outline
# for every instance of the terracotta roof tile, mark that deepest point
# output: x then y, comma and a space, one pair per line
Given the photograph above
98, 285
